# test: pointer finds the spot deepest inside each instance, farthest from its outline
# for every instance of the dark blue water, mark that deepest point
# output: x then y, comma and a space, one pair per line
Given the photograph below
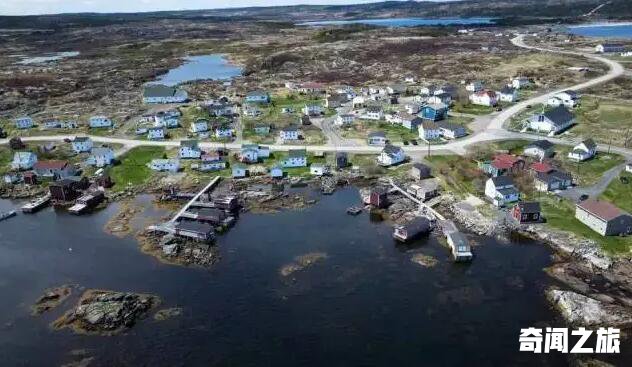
366, 304
607, 31
405, 22
213, 67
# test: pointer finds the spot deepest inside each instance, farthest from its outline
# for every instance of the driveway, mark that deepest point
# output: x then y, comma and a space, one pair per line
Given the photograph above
595, 190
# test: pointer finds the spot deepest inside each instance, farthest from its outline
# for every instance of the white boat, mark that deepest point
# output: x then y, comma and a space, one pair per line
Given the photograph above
35, 205
7, 215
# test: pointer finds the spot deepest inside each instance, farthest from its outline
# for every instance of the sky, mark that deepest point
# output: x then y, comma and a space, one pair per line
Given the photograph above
24, 7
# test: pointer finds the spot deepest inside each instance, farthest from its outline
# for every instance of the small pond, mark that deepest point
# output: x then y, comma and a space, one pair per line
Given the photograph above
214, 66
405, 22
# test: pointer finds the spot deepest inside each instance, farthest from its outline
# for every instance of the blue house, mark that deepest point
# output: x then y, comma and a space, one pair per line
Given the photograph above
434, 112
258, 97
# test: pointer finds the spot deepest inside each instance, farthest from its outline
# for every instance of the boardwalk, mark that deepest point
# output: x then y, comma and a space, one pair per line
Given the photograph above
206, 188
423, 205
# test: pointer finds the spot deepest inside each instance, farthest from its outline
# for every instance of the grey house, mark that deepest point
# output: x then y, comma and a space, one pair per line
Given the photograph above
603, 217
420, 171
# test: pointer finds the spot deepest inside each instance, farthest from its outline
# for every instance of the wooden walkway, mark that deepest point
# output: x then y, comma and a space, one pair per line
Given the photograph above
423, 205
195, 198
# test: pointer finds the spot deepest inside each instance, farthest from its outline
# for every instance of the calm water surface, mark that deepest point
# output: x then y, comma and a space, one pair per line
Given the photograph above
607, 30
367, 304
405, 22
215, 67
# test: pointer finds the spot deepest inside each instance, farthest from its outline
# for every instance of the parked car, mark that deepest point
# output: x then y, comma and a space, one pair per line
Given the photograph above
583, 197
405, 142
413, 142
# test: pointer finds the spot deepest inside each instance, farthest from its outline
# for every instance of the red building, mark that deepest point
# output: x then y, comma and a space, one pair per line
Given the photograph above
378, 198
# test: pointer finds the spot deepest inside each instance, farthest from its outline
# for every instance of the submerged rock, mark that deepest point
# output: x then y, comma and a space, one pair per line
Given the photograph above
167, 313
582, 310
106, 312
424, 260
51, 299
302, 262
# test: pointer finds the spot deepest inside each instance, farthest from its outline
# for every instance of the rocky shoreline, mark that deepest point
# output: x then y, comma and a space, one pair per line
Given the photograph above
101, 312
601, 286
173, 250
51, 299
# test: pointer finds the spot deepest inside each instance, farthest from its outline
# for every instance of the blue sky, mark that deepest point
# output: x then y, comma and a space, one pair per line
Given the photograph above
21, 7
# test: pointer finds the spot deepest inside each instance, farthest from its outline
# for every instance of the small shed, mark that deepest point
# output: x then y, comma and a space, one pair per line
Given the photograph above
420, 171
412, 230
342, 160
527, 212
239, 171
378, 198
276, 172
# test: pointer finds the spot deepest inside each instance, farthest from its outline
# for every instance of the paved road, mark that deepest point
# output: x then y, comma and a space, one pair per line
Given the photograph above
595, 190
485, 131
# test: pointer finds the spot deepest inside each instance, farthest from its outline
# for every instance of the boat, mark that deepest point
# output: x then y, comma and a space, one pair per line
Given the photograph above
7, 215
354, 210
36, 205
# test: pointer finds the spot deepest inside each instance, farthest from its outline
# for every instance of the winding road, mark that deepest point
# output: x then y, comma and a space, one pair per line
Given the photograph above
493, 131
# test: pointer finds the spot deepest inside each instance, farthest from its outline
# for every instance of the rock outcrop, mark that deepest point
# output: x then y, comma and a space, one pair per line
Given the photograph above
582, 310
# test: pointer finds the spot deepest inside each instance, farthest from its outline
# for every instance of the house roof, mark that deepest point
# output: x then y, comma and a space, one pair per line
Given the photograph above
507, 90
429, 125
374, 109
189, 143
541, 167
601, 209
502, 181
195, 226
418, 225
489, 93
421, 166
542, 144
559, 115
80, 139
449, 126
436, 106
101, 151
377, 134
297, 153
500, 164
553, 176
23, 155
590, 143
159, 90
571, 93
391, 149
257, 93
290, 128
51, 165
529, 207
341, 155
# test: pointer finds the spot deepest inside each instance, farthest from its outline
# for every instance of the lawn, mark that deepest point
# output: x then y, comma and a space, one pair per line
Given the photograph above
620, 193
6, 156
361, 128
560, 214
460, 175
472, 109
132, 169
588, 172
603, 120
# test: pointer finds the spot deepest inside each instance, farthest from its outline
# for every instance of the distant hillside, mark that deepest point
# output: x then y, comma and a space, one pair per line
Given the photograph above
572, 10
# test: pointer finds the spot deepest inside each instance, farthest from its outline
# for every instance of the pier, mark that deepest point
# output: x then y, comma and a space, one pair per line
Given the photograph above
425, 208
36, 205
195, 198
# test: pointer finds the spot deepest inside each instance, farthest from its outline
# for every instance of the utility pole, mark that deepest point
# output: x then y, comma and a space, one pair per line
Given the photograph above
609, 144
625, 142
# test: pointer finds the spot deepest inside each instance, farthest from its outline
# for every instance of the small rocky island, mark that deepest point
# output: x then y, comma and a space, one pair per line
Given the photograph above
103, 312
51, 298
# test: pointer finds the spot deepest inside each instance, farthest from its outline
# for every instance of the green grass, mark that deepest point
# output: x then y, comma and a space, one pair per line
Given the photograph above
560, 214
459, 175
132, 169
472, 109
6, 156
395, 133
588, 172
606, 121
620, 193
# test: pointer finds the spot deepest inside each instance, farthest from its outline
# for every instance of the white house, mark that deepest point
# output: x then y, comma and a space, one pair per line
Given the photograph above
189, 149
155, 133
23, 160
609, 48
409, 79
312, 110
295, 158
359, 102
396, 89
391, 155
429, 130
251, 111
376, 138
169, 119
501, 191
170, 165
583, 151
318, 169
101, 157
374, 113
552, 121
212, 163
567, 98
157, 93
539, 149
222, 132
474, 86
344, 119
427, 90
520, 82
23, 123
289, 133
276, 172
628, 167
251, 153
508, 94
413, 108
81, 144
484, 98
99, 121
51, 124
199, 126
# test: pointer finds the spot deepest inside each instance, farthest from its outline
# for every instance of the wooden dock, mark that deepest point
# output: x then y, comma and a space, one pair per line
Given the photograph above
195, 198
427, 209
36, 205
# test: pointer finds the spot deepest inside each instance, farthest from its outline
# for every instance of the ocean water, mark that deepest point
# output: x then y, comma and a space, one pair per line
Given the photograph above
603, 31
366, 304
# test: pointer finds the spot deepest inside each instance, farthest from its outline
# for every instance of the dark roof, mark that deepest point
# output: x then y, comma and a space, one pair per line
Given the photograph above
508, 191
194, 226
450, 126
290, 128
502, 181
571, 93
159, 90
553, 176
418, 225
341, 154
391, 149
542, 144
189, 143
297, 153
559, 115
590, 144
374, 109
507, 90
529, 207
377, 134
601, 209
80, 139
421, 166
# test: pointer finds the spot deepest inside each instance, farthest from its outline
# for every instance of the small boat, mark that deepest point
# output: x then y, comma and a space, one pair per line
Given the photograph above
354, 210
7, 215
36, 205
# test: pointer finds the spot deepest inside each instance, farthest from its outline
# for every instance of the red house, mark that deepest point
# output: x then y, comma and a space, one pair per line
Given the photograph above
378, 198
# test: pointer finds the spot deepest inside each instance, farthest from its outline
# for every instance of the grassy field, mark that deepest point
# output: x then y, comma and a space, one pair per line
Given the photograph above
605, 121
590, 171
132, 169
472, 109
620, 193
359, 129
460, 175
6, 155
560, 214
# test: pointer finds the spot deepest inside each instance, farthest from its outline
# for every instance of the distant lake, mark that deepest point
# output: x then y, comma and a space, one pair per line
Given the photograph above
405, 22
214, 66
47, 58
622, 30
